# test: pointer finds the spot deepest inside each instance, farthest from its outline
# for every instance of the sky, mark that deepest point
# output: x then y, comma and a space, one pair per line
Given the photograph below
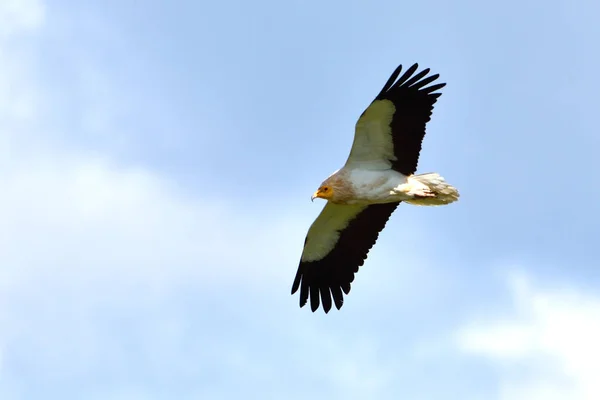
156, 167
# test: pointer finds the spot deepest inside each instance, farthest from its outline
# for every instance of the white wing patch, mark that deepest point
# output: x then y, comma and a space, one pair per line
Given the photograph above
324, 233
373, 146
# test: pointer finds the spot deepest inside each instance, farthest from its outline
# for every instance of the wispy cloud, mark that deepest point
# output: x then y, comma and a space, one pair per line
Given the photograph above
83, 234
18, 17
546, 347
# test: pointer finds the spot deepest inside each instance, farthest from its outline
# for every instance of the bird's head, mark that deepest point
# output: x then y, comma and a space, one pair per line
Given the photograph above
324, 191
335, 189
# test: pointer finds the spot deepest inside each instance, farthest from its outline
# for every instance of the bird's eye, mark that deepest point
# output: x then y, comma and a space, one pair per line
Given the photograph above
325, 189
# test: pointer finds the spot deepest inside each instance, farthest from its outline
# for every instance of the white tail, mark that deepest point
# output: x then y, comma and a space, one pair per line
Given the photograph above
437, 193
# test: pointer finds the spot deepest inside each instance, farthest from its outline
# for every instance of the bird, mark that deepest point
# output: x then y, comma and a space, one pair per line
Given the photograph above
378, 175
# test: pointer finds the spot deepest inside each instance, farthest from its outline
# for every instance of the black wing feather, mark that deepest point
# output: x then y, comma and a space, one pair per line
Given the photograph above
334, 273
403, 78
414, 104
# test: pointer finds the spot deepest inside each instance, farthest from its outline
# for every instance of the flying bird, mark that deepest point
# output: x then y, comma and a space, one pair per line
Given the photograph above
378, 175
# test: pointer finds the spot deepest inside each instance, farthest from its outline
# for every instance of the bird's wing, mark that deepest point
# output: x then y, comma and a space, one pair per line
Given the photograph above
337, 244
389, 132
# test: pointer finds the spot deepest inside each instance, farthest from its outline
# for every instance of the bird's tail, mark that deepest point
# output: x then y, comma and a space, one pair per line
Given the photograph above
439, 192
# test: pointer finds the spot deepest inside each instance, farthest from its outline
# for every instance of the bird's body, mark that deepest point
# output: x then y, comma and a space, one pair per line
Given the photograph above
366, 186
362, 195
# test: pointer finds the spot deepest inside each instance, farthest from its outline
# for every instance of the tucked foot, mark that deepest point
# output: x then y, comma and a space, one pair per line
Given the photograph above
423, 193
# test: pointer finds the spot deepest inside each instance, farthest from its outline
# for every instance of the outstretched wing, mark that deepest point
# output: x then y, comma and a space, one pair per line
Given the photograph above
390, 131
335, 247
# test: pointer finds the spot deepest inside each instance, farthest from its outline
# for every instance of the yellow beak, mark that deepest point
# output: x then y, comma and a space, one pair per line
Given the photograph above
314, 196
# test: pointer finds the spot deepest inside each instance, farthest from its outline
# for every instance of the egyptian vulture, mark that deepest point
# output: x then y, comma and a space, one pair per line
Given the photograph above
361, 196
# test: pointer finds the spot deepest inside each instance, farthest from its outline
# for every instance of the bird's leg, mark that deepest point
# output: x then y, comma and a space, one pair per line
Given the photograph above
423, 194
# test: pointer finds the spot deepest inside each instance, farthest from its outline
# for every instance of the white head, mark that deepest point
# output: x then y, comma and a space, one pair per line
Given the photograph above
335, 189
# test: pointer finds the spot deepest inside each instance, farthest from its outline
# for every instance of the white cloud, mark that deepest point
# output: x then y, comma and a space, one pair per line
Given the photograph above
549, 347
82, 232
20, 16
71, 213
17, 18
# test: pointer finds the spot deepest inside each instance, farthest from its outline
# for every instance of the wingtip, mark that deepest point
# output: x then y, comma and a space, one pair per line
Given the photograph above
302, 303
326, 308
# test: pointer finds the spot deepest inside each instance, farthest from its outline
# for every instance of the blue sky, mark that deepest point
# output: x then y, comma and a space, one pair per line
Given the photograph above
156, 166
